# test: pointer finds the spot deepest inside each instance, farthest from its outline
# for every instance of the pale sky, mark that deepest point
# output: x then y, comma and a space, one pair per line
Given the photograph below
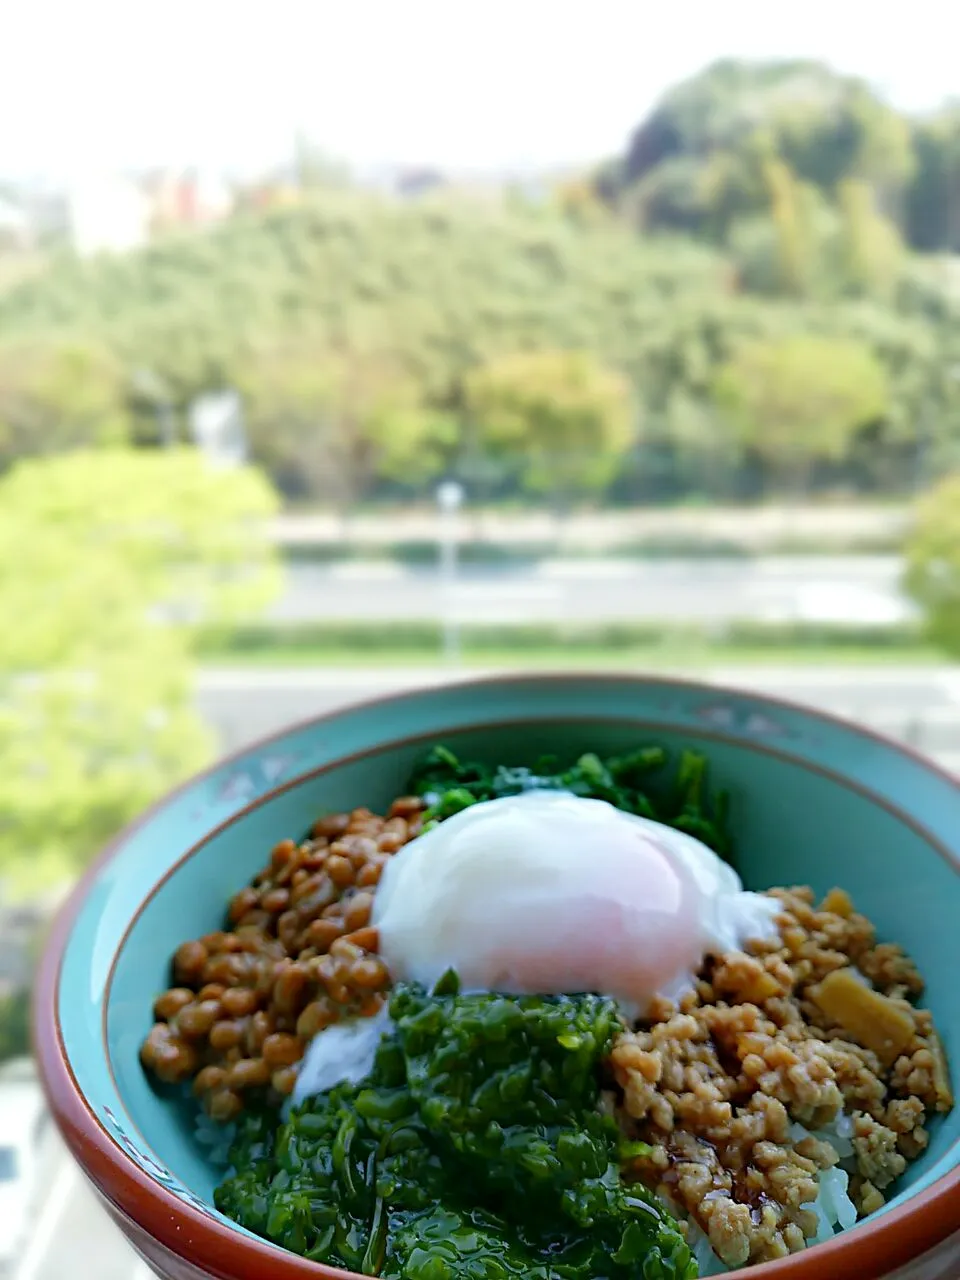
96, 85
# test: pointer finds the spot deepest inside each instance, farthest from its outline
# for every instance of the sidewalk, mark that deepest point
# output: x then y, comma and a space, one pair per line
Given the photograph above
750, 527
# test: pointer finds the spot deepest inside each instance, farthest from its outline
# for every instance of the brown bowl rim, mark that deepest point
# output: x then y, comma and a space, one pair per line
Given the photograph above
871, 1252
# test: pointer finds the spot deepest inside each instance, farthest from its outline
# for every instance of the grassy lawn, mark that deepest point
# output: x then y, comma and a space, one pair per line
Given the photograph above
648, 643
664, 656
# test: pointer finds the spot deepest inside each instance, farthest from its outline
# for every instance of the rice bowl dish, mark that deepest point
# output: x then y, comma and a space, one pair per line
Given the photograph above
528, 1022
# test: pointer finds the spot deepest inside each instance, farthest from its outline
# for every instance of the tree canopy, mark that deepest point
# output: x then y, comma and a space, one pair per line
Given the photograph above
562, 418
109, 562
333, 422
716, 129
932, 572
800, 400
758, 201
59, 394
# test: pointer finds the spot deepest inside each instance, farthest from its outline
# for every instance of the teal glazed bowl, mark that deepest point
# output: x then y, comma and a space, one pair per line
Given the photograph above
814, 801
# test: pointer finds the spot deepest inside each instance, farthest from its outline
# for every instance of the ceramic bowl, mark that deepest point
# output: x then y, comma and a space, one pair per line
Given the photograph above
815, 801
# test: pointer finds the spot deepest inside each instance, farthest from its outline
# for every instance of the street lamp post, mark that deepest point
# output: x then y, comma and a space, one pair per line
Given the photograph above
450, 497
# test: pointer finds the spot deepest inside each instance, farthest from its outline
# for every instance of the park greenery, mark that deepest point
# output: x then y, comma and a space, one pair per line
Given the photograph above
539, 411
800, 399
932, 574
14, 1023
777, 224
112, 563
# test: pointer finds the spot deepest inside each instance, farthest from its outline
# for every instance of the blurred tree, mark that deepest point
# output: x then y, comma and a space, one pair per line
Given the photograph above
25, 934
111, 562
704, 460
920, 405
59, 395
734, 183
799, 400
869, 248
808, 247
757, 249
932, 562
691, 164
565, 419
790, 249
579, 200
796, 247
933, 198
14, 1024
833, 128
413, 295
329, 422
682, 194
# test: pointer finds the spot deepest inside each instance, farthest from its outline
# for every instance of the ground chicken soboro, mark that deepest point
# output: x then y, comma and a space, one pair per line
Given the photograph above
767, 1039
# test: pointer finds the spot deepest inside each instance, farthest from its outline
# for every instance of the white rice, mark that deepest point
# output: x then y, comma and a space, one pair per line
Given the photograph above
215, 1137
344, 1051
834, 1209
708, 1264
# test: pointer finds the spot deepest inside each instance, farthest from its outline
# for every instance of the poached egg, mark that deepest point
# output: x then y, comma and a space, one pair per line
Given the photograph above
549, 893
546, 893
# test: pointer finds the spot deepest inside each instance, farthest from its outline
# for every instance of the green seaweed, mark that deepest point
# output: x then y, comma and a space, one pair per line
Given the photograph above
638, 783
475, 1150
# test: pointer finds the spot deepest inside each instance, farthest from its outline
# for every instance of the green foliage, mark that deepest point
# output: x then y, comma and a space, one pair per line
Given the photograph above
448, 284
476, 1147
933, 201
932, 572
777, 201
331, 423
870, 250
58, 395
799, 400
637, 783
110, 561
790, 214
14, 1024
717, 129
120, 532
565, 418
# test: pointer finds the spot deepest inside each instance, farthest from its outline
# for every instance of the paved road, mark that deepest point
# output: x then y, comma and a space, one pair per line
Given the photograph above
792, 588
918, 705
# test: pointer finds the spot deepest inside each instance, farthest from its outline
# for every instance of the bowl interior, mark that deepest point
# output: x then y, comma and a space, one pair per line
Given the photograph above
799, 813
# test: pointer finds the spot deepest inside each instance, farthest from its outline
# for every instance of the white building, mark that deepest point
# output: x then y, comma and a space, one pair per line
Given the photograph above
107, 214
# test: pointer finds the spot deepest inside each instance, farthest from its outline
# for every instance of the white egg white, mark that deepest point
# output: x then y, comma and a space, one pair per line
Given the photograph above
548, 893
